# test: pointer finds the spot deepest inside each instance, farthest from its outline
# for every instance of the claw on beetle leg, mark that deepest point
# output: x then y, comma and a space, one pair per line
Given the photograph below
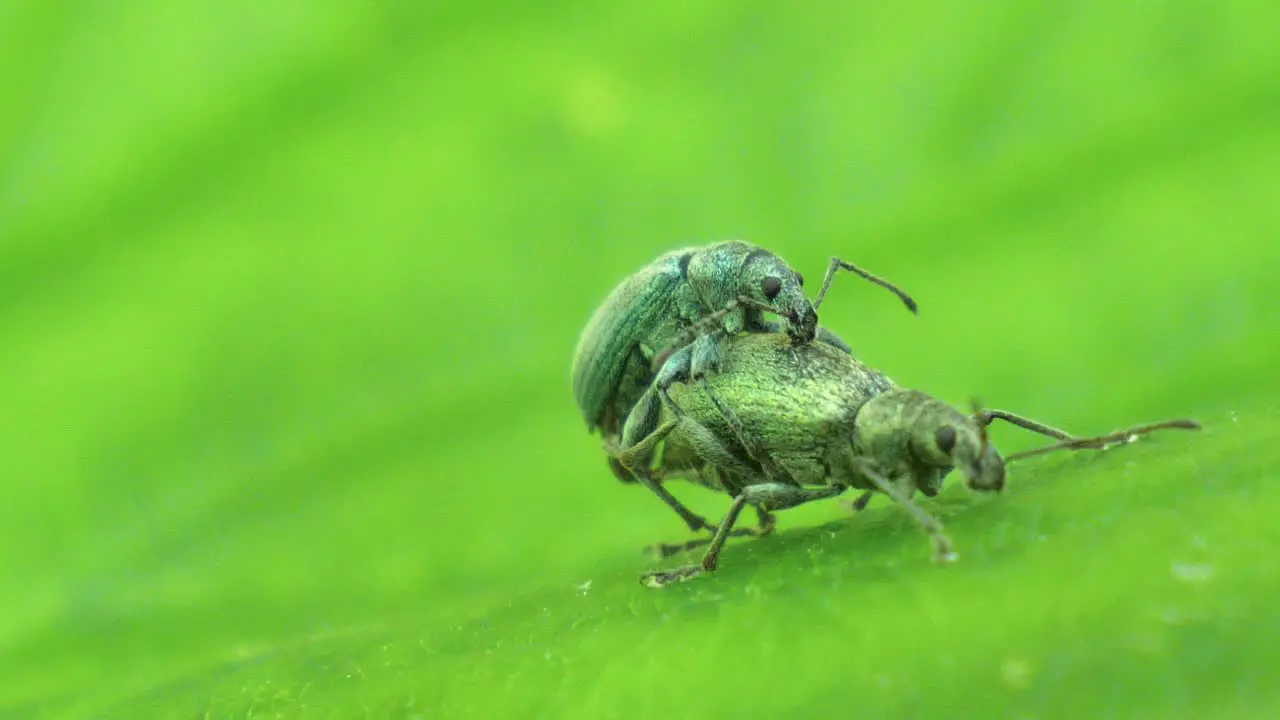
663, 578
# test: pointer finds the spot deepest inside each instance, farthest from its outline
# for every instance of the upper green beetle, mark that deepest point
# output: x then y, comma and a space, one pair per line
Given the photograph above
654, 324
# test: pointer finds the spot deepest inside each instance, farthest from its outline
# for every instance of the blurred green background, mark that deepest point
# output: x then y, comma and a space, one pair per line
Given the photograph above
288, 294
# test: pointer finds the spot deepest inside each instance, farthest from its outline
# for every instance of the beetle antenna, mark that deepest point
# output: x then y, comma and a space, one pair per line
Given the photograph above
980, 418
1102, 442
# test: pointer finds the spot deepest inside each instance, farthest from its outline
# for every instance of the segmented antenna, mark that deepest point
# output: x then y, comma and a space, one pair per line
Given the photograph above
981, 420
1102, 442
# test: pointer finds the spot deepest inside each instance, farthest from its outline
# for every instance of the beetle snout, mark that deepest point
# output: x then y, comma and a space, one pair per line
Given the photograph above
986, 479
804, 325
997, 482
983, 486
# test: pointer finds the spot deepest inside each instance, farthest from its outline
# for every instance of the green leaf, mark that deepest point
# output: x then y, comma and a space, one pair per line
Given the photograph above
288, 296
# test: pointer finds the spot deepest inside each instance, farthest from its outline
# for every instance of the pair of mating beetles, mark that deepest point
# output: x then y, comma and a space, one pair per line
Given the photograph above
685, 377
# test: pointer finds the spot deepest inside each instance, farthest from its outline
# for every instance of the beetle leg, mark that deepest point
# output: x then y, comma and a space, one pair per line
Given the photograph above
618, 470
636, 459
769, 496
710, 561
713, 324
706, 356
860, 503
767, 524
942, 549
666, 550
675, 369
709, 325
640, 438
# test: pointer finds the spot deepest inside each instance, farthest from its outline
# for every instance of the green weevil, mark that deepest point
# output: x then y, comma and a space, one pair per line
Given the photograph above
666, 324
784, 423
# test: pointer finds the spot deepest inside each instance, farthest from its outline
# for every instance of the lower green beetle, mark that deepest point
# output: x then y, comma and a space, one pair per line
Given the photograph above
783, 424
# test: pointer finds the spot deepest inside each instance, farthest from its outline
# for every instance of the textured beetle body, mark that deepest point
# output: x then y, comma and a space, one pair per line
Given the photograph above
650, 309
611, 364
806, 407
799, 402
786, 423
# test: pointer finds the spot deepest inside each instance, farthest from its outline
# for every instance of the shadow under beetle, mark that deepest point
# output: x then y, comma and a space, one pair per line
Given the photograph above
788, 423
667, 324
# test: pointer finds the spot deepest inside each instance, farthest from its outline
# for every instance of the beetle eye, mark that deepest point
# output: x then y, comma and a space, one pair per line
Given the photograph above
799, 279
946, 438
771, 286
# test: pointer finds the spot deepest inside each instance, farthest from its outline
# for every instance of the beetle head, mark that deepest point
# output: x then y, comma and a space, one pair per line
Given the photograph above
769, 280
943, 437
